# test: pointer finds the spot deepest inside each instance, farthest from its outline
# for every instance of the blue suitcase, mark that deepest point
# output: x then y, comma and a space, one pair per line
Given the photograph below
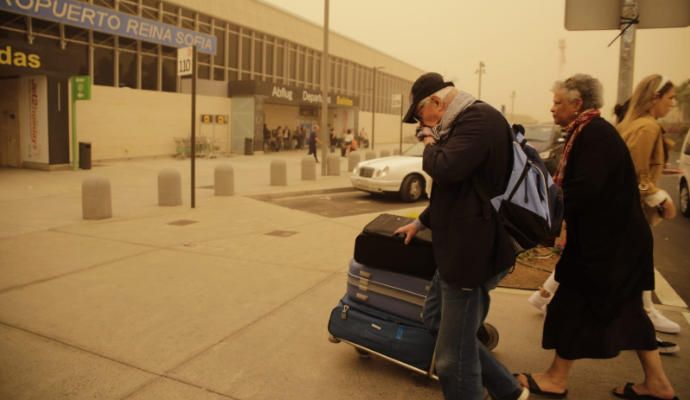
398, 294
404, 342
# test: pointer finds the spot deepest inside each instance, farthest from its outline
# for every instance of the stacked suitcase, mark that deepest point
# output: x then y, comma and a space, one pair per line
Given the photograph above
387, 283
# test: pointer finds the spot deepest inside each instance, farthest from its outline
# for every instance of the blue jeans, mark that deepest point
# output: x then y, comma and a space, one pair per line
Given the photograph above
463, 364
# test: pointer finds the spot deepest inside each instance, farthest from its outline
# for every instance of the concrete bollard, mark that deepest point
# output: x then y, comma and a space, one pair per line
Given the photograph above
385, 153
169, 188
333, 165
308, 168
224, 180
352, 160
95, 198
278, 173
369, 155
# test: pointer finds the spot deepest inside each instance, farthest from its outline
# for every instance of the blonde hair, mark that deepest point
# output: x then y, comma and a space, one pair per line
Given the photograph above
641, 103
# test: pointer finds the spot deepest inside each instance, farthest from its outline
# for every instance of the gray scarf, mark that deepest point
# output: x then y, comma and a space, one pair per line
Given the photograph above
461, 101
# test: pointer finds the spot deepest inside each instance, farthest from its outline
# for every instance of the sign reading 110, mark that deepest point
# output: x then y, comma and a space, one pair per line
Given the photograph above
184, 61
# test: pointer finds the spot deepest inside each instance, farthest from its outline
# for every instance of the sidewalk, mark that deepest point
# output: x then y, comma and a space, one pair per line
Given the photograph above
230, 302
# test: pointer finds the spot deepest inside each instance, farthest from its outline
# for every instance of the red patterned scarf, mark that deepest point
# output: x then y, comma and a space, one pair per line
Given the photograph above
573, 129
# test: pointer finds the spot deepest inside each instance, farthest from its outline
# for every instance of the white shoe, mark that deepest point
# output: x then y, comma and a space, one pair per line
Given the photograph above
661, 323
665, 347
524, 395
538, 301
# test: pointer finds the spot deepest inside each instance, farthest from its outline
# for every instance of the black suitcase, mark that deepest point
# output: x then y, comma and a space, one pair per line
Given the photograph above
378, 247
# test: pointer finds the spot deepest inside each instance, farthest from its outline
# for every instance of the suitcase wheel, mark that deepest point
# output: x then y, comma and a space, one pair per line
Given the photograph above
333, 339
488, 334
362, 353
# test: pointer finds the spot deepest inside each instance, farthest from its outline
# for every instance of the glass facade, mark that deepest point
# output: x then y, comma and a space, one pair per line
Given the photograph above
242, 54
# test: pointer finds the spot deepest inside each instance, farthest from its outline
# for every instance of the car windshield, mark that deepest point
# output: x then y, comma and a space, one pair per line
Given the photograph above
416, 150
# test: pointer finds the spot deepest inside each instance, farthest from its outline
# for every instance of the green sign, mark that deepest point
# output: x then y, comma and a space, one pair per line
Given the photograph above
81, 88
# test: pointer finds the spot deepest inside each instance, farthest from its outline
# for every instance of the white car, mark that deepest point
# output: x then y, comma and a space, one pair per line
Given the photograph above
684, 182
396, 174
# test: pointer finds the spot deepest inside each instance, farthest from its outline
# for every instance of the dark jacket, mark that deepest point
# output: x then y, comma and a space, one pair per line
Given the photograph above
469, 244
608, 255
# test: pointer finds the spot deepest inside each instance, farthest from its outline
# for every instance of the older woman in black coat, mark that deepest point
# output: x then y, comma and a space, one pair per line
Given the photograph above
607, 262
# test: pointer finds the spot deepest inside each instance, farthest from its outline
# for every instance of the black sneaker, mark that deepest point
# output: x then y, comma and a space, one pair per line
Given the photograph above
666, 347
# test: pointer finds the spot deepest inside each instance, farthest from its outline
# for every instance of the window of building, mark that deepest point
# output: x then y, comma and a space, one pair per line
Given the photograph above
128, 69
149, 72
269, 58
169, 75
233, 59
103, 59
246, 56
280, 57
258, 56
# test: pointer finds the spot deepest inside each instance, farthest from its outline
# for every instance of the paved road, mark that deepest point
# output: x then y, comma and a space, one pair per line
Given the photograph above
339, 202
672, 247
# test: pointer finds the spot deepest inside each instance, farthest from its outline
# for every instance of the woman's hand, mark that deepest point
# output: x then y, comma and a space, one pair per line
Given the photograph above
408, 231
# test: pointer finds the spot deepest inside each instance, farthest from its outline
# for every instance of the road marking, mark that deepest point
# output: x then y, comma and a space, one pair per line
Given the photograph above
665, 292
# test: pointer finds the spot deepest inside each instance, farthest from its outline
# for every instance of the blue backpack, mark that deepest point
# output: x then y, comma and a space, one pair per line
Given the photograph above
531, 208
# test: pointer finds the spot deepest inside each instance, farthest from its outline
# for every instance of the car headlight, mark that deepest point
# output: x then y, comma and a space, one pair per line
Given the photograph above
545, 155
380, 173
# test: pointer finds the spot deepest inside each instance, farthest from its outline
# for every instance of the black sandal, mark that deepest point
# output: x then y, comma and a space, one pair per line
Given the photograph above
535, 389
631, 394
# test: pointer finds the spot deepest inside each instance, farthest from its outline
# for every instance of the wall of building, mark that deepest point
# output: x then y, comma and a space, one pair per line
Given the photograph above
126, 123
387, 128
281, 115
266, 18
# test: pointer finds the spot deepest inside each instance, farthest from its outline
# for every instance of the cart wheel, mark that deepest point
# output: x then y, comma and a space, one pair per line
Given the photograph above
333, 339
362, 353
488, 335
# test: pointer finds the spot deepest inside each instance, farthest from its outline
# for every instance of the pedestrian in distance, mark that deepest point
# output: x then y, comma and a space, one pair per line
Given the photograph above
607, 260
467, 143
313, 141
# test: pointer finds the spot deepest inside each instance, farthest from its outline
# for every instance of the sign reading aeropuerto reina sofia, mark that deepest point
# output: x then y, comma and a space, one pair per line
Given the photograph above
106, 20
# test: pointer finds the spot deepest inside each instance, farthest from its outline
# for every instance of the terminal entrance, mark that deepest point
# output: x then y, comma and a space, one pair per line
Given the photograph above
9, 123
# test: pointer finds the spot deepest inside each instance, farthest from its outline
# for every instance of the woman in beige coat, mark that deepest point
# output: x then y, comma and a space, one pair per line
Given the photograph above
653, 98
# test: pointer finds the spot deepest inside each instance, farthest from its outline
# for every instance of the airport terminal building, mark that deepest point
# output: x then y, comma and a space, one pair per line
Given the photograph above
257, 65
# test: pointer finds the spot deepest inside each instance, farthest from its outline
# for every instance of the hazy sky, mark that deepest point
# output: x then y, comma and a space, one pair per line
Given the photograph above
518, 40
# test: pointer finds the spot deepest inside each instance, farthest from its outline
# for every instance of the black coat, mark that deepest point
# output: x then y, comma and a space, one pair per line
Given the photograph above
608, 255
469, 244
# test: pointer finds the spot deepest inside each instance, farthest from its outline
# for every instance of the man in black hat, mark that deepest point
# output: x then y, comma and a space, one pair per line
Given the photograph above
468, 145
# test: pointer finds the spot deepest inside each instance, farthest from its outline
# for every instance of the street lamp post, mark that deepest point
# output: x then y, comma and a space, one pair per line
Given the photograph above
324, 94
479, 72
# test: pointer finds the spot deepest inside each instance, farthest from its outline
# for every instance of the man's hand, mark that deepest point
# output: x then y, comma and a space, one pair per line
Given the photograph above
408, 230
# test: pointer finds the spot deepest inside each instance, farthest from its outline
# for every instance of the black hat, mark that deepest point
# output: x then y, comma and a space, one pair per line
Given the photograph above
423, 87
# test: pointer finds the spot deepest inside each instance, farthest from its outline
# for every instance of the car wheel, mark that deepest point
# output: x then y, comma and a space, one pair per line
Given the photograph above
684, 202
412, 188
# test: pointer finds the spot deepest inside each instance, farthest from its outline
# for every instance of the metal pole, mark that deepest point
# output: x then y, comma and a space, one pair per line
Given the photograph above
480, 71
75, 146
325, 139
512, 104
626, 63
373, 106
401, 123
193, 141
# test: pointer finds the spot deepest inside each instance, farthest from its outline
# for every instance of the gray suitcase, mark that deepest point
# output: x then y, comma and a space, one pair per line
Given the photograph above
398, 294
